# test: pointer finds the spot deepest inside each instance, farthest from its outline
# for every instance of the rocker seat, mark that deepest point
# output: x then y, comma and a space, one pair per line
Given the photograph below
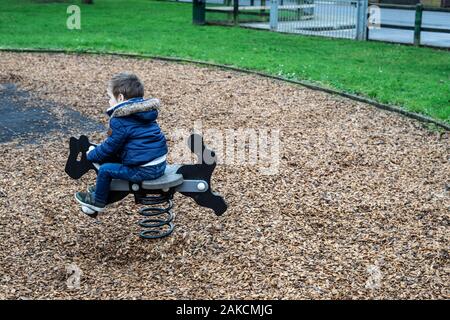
168, 180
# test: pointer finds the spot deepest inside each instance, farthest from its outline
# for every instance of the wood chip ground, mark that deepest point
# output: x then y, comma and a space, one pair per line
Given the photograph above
359, 208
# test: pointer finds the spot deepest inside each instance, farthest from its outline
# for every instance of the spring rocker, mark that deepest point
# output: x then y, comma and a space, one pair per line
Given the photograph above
191, 180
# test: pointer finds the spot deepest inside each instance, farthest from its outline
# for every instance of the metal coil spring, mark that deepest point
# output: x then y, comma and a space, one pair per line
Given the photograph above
158, 222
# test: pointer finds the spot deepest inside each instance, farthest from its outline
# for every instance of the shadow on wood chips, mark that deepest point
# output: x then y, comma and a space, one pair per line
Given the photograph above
29, 120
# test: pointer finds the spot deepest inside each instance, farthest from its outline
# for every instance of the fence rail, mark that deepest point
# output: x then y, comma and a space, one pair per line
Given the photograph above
407, 7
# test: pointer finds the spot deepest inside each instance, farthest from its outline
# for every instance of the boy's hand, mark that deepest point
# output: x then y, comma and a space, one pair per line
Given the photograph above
96, 165
90, 149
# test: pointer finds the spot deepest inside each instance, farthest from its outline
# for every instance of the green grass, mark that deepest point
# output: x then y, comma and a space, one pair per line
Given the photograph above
417, 79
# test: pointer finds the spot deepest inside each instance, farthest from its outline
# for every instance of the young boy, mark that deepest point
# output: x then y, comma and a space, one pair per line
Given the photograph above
135, 141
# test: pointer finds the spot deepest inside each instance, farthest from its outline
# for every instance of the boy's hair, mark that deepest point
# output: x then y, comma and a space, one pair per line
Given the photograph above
127, 84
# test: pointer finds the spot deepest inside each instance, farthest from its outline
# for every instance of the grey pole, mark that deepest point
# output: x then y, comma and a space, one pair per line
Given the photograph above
273, 15
361, 19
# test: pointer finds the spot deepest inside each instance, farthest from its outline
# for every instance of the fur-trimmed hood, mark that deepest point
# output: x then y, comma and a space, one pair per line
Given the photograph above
146, 109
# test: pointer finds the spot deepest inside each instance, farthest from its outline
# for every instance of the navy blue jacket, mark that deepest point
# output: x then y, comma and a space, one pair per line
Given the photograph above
134, 135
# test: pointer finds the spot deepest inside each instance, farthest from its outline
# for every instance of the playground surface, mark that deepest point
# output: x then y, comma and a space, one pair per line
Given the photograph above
359, 208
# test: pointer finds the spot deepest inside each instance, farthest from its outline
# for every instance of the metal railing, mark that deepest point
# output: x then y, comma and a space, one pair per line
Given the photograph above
236, 12
330, 18
351, 19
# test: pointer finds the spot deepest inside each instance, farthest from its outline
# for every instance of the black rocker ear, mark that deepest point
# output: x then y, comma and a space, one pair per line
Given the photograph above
203, 170
74, 168
197, 146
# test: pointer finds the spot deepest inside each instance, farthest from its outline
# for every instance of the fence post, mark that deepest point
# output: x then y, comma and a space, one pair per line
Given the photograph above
198, 11
273, 15
361, 19
236, 12
418, 24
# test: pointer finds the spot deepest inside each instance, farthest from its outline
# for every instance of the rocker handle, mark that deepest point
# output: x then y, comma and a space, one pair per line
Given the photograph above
74, 168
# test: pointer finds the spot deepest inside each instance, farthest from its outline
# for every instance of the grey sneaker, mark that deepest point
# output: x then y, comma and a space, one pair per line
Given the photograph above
87, 200
91, 189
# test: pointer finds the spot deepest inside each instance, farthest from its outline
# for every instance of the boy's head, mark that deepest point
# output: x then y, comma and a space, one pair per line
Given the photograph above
124, 86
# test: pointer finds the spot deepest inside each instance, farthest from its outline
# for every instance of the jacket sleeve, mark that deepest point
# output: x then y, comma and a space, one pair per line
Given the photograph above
111, 145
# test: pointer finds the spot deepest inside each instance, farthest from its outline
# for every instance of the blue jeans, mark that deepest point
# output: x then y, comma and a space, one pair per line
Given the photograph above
109, 171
